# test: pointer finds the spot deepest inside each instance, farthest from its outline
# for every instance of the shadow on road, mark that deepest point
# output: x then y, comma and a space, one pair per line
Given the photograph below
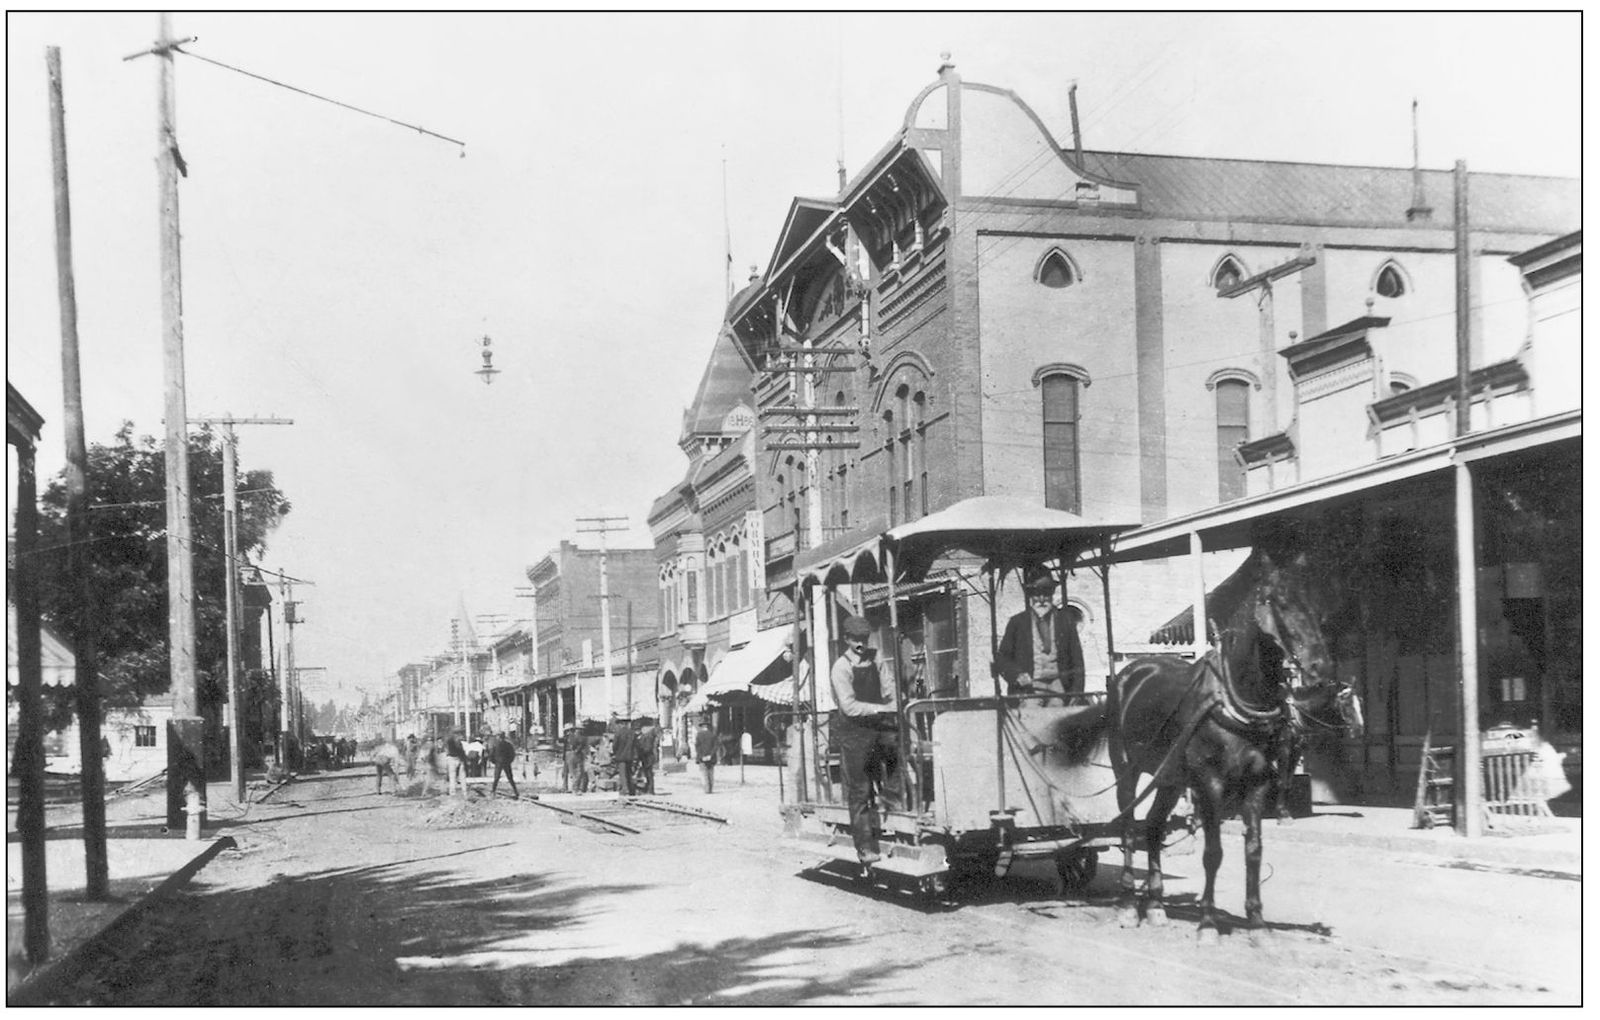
416, 933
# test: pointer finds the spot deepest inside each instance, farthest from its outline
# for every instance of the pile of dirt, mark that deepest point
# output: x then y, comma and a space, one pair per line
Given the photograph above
459, 814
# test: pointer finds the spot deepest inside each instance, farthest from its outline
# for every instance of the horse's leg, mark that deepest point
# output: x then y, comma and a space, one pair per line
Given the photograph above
1287, 754
1155, 822
1128, 913
1209, 805
1251, 811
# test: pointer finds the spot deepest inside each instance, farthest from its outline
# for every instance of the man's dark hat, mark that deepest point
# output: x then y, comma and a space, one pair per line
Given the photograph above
855, 626
1037, 580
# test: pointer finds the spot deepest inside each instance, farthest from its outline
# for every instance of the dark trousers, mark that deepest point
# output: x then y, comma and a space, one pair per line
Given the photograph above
504, 770
870, 756
708, 769
625, 776
577, 773
647, 776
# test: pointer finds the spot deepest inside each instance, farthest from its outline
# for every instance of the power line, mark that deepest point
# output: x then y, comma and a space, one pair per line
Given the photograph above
325, 99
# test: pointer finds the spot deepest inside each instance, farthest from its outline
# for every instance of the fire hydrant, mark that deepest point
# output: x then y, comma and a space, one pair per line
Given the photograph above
191, 807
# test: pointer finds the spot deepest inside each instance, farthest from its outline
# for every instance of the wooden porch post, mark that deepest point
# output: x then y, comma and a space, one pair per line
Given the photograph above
1469, 804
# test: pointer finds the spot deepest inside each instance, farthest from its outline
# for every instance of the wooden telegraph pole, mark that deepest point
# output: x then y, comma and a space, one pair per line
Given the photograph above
602, 525
186, 730
230, 550
84, 623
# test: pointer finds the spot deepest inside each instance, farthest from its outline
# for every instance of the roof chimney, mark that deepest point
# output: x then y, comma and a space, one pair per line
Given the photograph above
1420, 210
1077, 135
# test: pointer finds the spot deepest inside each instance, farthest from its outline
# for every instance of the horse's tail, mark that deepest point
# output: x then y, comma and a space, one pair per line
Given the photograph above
1083, 732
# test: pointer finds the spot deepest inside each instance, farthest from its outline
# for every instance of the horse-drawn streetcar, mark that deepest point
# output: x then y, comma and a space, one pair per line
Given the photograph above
1018, 773
990, 779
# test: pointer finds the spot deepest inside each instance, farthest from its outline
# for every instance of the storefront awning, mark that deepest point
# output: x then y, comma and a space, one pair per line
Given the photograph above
1220, 600
858, 564
741, 666
1231, 525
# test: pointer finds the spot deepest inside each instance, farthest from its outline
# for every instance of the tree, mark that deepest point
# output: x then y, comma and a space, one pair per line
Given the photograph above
127, 560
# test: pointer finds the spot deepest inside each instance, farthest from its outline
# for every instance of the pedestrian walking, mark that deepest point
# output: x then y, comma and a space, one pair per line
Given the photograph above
430, 761
705, 751
575, 774
455, 765
503, 754
412, 748
649, 745
624, 753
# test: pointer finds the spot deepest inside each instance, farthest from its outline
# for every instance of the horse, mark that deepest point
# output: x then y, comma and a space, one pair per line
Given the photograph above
1221, 728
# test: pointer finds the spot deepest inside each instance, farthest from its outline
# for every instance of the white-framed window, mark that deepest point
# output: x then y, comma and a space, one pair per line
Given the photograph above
144, 736
1060, 396
1391, 281
1228, 272
1056, 270
1233, 428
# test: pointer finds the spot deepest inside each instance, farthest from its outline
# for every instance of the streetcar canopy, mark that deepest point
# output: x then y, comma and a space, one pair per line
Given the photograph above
1005, 531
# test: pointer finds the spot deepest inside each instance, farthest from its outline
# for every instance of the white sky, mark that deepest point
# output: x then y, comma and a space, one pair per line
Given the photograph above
340, 270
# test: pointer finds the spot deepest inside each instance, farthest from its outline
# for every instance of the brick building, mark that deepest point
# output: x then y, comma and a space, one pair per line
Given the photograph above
982, 311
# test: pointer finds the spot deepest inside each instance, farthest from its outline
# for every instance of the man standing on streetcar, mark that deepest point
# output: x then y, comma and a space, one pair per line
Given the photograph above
1040, 652
867, 730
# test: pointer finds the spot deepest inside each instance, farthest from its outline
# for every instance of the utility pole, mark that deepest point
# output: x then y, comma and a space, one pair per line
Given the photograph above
1469, 805
84, 625
602, 525
230, 552
22, 432
532, 595
289, 681
630, 658
186, 730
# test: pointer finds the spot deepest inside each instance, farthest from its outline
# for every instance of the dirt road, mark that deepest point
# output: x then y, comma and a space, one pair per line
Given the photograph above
341, 897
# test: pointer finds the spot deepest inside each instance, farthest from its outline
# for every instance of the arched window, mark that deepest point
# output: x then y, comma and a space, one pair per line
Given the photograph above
1057, 270
1233, 428
1059, 398
1229, 272
1400, 382
1390, 281
891, 462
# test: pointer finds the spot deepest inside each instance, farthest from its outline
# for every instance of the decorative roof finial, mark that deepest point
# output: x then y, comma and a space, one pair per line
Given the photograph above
945, 63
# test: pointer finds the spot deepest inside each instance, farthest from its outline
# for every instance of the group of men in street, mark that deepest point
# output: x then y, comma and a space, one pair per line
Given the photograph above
447, 756
631, 746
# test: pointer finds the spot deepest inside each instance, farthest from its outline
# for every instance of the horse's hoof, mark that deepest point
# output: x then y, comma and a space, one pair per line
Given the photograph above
1259, 936
1156, 917
1207, 936
1128, 917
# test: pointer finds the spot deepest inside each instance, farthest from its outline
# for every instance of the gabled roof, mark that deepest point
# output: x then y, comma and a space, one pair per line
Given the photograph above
1260, 190
805, 216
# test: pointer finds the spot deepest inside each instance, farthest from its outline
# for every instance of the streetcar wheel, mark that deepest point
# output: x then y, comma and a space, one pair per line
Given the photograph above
1077, 869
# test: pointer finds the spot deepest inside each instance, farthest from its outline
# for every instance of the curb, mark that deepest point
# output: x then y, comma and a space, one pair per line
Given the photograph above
38, 988
1552, 863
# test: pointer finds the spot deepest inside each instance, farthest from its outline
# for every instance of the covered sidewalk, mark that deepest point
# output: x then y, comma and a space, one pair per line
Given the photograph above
1441, 495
